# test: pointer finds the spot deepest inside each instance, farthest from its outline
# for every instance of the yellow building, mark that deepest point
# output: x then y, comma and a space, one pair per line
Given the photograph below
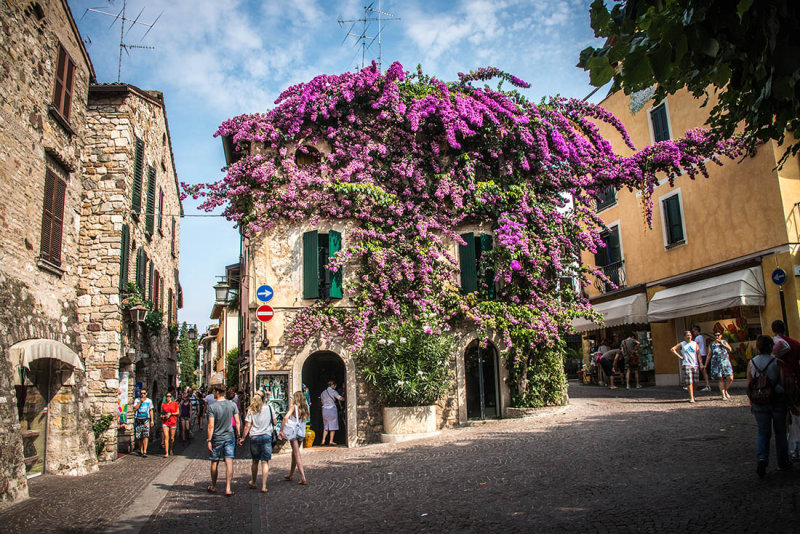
711, 252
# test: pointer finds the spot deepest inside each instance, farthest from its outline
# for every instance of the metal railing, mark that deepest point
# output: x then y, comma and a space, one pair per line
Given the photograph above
615, 272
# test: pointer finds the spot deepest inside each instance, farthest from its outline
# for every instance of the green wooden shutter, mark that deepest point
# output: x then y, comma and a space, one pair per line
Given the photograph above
334, 246
138, 173
151, 201
660, 126
172, 236
486, 246
672, 212
311, 265
125, 246
150, 281
613, 249
141, 265
468, 259
160, 210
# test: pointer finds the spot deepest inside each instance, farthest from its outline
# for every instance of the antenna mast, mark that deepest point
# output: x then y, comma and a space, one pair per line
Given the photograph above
363, 37
133, 22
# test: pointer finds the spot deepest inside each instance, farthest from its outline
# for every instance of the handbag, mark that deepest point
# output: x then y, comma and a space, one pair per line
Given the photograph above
293, 428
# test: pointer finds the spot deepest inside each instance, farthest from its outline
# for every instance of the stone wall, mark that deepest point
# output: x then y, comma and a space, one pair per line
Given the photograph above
117, 115
39, 297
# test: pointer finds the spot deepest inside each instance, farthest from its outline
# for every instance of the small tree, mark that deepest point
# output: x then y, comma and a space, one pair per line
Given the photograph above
187, 355
231, 368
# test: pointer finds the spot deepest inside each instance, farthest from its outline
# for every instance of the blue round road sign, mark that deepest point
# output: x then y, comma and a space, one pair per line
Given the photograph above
778, 276
264, 293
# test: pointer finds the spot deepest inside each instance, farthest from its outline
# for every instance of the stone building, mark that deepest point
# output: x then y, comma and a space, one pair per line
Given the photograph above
290, 259
130, 234
45, 420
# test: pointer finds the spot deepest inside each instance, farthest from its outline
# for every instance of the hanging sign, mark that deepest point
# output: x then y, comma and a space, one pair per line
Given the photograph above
264, 293
264, 313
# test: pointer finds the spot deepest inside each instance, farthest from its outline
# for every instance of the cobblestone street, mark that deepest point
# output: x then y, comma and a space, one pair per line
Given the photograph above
612, 461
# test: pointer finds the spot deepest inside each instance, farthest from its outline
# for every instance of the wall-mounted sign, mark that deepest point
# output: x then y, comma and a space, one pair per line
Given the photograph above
778, 276
264, 293
264, 313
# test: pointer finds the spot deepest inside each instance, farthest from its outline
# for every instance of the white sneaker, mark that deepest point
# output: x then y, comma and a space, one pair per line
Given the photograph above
627, 387
707, 388
638, 386
685, 388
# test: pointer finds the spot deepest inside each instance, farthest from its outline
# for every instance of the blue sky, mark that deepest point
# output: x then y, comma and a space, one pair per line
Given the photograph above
217, 59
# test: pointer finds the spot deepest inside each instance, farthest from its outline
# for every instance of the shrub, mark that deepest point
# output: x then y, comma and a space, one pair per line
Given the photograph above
99, 426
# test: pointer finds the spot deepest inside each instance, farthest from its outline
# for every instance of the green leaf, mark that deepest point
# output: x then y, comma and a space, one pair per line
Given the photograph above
600, 71
598, 17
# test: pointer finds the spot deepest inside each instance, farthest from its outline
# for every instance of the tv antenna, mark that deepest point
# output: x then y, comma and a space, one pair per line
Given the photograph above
370, 14
132, 22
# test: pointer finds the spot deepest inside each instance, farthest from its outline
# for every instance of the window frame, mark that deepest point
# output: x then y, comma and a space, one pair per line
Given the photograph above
665, 223
650, 111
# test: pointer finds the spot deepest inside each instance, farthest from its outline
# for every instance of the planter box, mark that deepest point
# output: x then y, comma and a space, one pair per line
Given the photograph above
409, 422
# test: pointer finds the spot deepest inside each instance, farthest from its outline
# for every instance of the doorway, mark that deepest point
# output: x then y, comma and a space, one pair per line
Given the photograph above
318, 369
482, 387
33, 398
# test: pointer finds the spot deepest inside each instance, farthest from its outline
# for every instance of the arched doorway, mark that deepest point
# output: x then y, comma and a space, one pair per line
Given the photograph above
481, 381
318, 369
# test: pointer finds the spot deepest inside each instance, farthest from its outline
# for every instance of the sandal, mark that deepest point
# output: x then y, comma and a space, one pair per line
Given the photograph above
287, 478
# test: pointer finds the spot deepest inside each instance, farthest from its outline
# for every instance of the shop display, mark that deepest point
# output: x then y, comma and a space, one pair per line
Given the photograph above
275, 386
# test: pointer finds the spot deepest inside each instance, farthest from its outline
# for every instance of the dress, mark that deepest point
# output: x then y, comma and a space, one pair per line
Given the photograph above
720, 362
330, 415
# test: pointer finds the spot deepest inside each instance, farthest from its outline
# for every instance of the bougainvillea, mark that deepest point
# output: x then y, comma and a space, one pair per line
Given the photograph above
412, 160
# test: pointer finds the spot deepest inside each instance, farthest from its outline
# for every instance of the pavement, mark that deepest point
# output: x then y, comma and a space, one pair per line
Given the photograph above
611, 461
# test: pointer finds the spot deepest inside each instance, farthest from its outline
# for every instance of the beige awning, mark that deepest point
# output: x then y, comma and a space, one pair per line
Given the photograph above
29, 350
624, 310
739, 288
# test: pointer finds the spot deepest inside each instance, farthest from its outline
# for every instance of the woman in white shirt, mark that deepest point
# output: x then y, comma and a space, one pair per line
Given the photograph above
330, 415
260, 422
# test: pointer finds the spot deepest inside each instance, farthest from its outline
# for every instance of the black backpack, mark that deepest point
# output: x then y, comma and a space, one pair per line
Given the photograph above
760, 390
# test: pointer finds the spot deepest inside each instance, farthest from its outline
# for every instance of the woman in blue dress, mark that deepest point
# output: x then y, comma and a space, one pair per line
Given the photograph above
721, 369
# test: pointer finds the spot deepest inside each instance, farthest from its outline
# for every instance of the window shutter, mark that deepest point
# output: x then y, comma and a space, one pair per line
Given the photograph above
170, 306
150, 274
468, 260
160, 209
311, 265
58, 221
55, 190
488, 278
612, 246
65, 74
334, 246
156, 291
151, 201
172, 236
138, 173
123, 257
672, 211
141, 266
660, 127
67, 102
47, 215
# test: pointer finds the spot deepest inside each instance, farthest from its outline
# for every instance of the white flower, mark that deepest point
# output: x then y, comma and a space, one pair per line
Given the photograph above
420, 373
389, 341
400, 382
382, 341
402, 340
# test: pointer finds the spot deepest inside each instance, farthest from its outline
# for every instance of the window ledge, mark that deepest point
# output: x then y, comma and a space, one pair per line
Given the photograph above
52, 268
61, 120
676, 244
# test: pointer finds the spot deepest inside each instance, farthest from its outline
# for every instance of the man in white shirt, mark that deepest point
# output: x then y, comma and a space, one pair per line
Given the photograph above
702, 354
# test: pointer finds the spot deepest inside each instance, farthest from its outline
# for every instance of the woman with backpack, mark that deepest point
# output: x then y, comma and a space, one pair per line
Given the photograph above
768, 405
260, 424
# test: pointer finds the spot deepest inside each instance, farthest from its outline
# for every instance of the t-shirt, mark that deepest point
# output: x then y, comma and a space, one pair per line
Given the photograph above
689, 350
329, 398
630, 346
773, 371
170, 407
788, 351
610, 355
701, 344
143, 409
210, 399
261, 423
222, 411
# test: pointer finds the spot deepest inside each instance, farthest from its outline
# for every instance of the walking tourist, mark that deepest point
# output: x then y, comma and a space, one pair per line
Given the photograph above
721, 369
768, 404
689, 364
630, 352
142, 421
702, 354
330, 414
602, 349
293, 430
608, 362
201, 409
259, 423
231, 396
787, 350
221, 437
186, 417
169, 422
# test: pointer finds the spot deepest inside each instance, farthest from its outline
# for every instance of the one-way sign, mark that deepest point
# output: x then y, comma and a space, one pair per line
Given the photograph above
264, 293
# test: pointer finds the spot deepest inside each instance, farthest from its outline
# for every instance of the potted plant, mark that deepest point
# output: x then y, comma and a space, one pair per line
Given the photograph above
407, 364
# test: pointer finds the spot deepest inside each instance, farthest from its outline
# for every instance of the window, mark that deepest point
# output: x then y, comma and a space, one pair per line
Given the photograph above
161, 211
318, 280
55, 190
673, 221
172, 237
141, 269
607, 198
660, 124
138, 174
150, 279
609, 258
150, 215
156, 291
125, 247
476, 275
307, 156
170, 306
65, 72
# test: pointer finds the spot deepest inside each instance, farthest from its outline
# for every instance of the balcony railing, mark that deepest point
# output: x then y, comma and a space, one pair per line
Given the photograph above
615, 272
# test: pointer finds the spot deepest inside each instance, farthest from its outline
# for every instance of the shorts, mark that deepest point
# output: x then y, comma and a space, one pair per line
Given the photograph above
261, 447
608, 367
141, 428
220, 449
167, 425
632, 362
690, 374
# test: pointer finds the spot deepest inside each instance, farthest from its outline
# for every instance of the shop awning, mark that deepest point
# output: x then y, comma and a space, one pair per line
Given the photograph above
35, 349
625, 310
739, 288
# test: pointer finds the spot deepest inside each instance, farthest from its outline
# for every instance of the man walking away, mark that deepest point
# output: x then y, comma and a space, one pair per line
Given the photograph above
630, 351
787, 350
221, 437
702, 354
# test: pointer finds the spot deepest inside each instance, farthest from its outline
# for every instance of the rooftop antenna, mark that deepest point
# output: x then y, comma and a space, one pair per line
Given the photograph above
362, 37
132, 22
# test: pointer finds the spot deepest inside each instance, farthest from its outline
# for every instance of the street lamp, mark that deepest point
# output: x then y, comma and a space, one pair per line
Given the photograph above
192, 334
221, 290
137, 313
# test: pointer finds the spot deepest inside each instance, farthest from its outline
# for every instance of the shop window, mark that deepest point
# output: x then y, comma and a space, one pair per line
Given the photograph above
476, 273
138, 176
607, 198
673, 220
318, 281
55, 190
65, 73
659, 123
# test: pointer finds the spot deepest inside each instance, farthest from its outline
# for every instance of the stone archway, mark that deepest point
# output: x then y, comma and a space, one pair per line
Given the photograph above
350, 382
